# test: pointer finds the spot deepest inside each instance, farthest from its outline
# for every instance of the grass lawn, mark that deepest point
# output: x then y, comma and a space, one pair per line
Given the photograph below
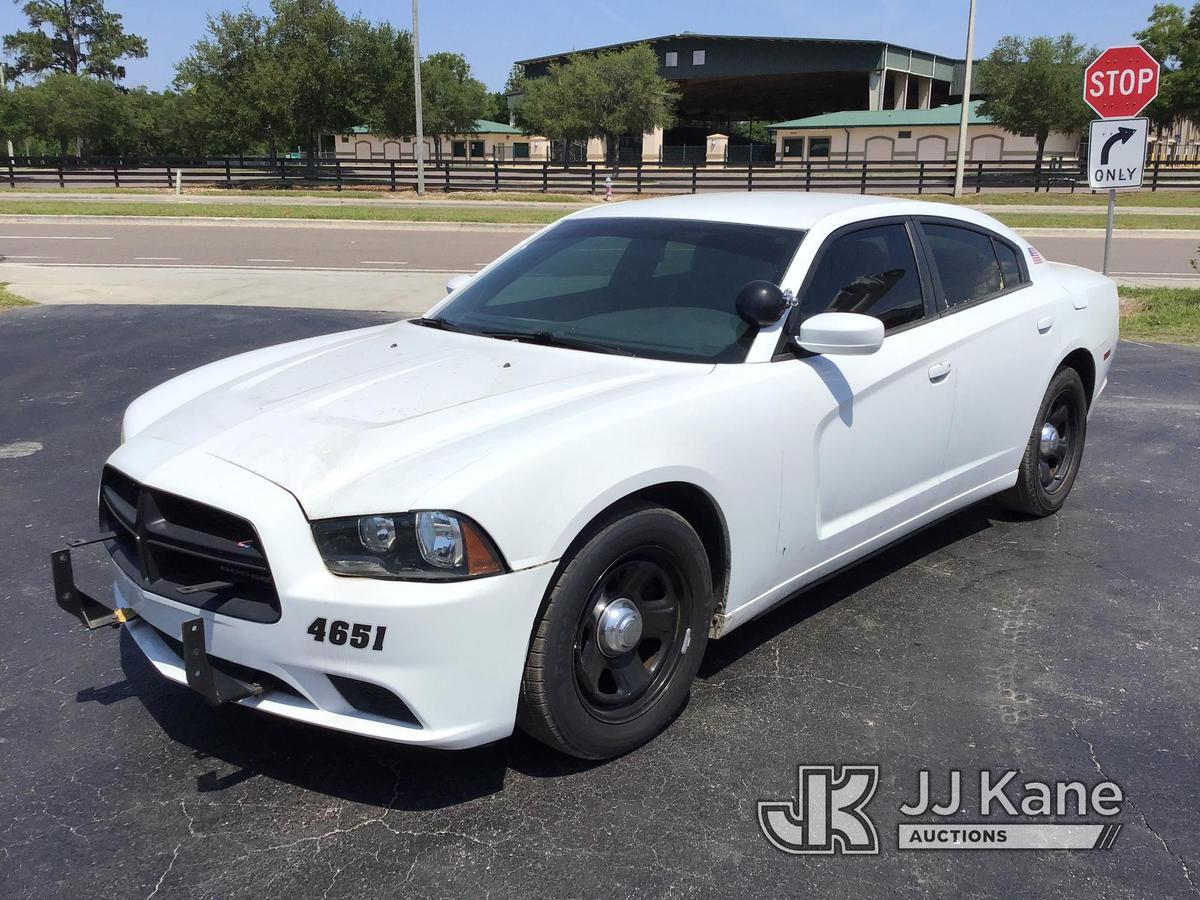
9, 300
481, 214
1124, 220
1166, 314
1174, 199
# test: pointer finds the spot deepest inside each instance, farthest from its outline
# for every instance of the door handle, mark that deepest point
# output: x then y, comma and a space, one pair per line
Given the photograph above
1045, 324
939, 371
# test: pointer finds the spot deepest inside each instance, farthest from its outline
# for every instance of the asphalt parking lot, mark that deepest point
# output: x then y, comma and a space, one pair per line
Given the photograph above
1067, 647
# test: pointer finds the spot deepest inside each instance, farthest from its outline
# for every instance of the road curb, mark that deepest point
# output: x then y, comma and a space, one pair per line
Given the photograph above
22, 218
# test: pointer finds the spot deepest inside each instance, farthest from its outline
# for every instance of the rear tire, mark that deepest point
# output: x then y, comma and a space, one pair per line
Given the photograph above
1054, 451
620, 638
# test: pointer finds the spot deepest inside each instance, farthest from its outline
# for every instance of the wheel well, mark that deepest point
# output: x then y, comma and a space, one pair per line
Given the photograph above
1081, 361
703, 514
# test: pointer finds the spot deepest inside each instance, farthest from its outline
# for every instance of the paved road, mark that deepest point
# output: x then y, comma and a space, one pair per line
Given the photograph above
1064, 647
160, 244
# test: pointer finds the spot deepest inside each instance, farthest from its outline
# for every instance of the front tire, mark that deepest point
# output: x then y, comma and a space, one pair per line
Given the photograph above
620, 639
1054, 451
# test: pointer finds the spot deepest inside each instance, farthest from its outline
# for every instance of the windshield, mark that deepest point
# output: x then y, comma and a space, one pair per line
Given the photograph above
662, 288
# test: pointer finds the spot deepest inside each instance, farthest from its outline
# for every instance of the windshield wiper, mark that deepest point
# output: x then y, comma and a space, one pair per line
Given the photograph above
549, 339
440, 324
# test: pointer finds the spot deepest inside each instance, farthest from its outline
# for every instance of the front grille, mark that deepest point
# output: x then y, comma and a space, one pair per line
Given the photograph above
187, 551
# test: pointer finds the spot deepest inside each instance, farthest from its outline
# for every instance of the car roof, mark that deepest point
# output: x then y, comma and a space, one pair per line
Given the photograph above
782, 209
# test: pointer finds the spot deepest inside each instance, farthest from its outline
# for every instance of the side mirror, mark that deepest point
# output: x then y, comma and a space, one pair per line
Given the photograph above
841, 334
761, 303
453, 284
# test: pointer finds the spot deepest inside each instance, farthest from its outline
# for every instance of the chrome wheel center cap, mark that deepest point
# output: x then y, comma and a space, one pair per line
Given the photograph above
1049, 442
619, 629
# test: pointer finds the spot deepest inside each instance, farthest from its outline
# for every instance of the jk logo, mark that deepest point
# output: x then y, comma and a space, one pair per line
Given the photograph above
827, 816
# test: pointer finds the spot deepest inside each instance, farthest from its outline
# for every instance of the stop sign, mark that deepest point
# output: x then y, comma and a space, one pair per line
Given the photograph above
1121, 82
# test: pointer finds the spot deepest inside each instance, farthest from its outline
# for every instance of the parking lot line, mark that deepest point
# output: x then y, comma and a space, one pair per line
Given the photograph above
270, 260
381, 262
157, 258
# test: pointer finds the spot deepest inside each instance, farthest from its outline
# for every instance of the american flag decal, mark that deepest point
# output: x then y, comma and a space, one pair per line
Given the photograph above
1035, 256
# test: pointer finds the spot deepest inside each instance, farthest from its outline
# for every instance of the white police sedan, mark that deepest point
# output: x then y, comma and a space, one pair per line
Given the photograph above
638, 430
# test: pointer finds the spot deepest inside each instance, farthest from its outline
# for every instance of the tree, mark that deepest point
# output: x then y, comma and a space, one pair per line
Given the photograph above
453, 99
603, 95
1163, 38
62, 107
384, 100
78, 37
232, 82
299, 73
1035, 86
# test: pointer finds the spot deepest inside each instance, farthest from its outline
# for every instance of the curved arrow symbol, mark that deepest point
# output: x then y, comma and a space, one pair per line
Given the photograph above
1123, 135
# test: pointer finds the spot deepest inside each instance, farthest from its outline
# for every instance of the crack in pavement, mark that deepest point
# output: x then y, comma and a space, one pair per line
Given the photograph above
1187, 872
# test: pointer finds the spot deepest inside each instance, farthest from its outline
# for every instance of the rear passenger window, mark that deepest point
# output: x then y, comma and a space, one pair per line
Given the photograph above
873, 271
966, 262
1010, 268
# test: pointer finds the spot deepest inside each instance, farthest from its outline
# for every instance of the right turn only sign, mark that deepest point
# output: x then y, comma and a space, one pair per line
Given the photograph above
1117, 153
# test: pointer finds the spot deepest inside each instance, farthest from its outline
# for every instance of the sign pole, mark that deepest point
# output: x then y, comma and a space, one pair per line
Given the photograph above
1112, 210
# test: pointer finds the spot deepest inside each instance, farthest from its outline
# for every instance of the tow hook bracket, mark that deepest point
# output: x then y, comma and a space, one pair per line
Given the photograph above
88, 610
203, 677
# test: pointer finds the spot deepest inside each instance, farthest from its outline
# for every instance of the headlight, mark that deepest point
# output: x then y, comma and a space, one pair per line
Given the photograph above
415, 546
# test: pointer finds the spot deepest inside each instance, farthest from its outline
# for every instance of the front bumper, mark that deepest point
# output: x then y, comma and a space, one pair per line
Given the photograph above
453, 655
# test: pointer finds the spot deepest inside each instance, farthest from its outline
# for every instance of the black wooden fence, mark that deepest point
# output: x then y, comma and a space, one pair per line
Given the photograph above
684, 176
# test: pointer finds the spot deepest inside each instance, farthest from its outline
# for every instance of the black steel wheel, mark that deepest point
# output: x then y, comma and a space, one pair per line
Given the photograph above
620, 635
632, 634
1054, 452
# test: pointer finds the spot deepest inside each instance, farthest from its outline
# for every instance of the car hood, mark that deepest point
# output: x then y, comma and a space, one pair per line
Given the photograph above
420, 402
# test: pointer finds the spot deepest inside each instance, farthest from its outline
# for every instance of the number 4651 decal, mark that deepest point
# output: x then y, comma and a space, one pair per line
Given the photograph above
357, 635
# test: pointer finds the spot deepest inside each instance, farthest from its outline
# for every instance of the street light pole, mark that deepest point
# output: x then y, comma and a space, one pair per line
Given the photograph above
960, 160
420, 145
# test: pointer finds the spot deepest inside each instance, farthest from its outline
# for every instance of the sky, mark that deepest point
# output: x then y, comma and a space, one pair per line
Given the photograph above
492, 34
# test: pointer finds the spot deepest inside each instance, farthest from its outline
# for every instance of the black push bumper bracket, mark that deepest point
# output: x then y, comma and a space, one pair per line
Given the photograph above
88, 610
215, 686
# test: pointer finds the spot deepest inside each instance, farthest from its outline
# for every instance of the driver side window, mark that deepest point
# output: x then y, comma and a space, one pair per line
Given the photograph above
872, 271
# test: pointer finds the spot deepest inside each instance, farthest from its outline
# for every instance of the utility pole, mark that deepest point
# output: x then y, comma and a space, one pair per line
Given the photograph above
960, 161
4, 87
420, 145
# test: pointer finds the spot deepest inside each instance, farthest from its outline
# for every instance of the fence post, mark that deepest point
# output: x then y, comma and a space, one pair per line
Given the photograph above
12, 175
807, 175
117, 175
921, 178
593, 188
1154, 177
1037, 178
979, 178
639, 176
862, 187
546, 175
695, 171
282, 170
495, 175
392, 175
228, 174
169, 182
446, 186
337, 168
61, 183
